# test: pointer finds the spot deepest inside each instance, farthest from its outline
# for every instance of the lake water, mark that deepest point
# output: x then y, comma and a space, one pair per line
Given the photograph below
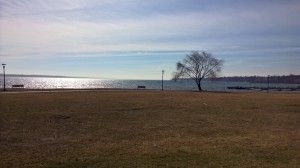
85, 83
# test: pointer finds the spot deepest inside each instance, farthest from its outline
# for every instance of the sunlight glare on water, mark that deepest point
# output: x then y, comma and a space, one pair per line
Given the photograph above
86, 83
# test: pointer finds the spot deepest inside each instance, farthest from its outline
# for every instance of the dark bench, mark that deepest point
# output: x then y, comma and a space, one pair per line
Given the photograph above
17, 86
141, 87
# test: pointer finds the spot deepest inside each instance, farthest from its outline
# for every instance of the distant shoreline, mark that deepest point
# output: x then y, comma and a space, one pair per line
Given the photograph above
283, 79
41, 76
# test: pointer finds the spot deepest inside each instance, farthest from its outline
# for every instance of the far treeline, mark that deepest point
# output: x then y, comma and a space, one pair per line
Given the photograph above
290, 79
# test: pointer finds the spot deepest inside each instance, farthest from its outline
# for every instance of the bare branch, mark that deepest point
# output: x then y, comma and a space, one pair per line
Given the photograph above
198, 65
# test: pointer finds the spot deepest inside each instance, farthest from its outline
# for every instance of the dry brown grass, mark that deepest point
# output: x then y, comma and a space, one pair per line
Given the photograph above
149, 129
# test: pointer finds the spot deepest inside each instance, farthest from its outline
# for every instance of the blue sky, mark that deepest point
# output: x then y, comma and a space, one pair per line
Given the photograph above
136, 39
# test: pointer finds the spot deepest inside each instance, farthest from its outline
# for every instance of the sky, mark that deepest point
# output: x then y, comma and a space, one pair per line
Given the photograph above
137, 39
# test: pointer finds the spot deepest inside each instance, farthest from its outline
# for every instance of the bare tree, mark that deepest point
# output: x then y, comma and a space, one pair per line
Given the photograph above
197, 66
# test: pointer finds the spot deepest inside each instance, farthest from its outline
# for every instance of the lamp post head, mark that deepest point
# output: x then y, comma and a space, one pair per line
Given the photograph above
3, 65
163, 71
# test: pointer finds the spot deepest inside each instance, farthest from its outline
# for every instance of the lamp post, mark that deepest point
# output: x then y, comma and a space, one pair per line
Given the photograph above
162, 80
268, 82
4, 77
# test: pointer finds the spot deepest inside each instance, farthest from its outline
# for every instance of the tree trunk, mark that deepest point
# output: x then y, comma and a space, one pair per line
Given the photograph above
199, 86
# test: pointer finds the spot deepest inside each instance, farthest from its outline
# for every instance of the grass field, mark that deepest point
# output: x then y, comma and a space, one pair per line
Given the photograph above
149, 129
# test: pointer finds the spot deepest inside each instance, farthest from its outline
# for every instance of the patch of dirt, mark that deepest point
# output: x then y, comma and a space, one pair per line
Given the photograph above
60, 117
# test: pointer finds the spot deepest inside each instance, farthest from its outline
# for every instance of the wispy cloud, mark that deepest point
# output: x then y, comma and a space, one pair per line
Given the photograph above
112, 28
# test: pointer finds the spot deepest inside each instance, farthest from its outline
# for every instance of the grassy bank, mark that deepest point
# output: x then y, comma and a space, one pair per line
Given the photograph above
149, 129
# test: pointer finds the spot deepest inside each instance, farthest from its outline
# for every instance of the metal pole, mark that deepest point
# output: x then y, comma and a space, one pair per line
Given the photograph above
162, 80
268, 83
4, 77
